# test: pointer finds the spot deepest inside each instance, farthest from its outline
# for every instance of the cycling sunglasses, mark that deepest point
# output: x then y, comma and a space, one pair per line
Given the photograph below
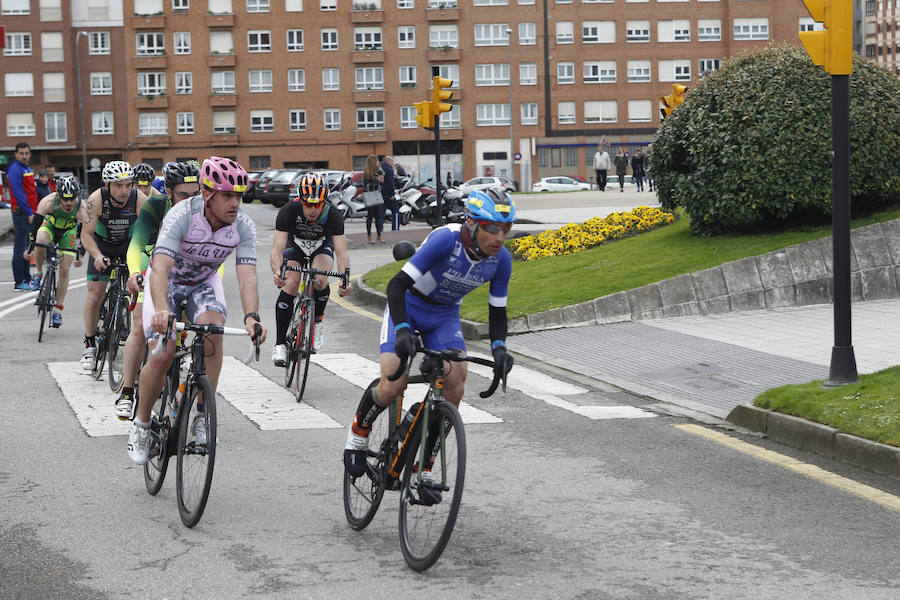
492, 227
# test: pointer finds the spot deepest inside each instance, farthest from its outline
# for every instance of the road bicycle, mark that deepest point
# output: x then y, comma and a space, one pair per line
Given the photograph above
301, 330
430, 434
113, 325
47, 298
183, 420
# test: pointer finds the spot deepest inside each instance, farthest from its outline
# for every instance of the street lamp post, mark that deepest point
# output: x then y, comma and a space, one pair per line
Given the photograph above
84, 162
512, 142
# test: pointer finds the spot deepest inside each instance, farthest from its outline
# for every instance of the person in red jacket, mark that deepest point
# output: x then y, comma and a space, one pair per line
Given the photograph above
24, 203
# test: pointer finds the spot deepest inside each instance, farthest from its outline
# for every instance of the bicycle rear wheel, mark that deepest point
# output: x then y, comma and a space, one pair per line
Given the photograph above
102, 326
362, 495
44, 306
293, 343
304, 340
155, 468
121, 327
425, 527
196, 449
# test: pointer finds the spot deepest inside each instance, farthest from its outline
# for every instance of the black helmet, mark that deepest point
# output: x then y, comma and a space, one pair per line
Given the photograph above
403, 250
144, 174
67, 186
181, 172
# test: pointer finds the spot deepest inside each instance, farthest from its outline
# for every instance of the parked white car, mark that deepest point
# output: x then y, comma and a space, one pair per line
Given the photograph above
480, 183
559, 183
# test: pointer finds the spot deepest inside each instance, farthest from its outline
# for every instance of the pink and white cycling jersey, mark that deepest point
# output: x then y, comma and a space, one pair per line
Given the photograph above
186, 236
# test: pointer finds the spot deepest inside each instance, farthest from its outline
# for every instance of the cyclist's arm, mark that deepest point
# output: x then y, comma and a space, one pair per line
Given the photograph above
159, 281
94, 207
147, 224
499, 286
247, 284
44, 207
340, 250
279, 243
141, 199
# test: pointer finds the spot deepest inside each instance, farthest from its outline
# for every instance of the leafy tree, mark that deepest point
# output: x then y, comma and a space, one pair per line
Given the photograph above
751, 145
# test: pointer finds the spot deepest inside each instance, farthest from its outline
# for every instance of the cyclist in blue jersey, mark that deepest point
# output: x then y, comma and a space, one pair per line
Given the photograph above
425, 296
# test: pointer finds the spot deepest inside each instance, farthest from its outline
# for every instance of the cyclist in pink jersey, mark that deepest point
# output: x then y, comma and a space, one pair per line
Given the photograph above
195, 238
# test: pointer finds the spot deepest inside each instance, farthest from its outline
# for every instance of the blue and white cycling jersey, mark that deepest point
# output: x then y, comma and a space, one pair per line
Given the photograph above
444, 273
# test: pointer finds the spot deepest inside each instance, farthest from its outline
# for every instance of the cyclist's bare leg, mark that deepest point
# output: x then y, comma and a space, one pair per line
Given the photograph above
95, 292
213, 350
322, 262
42, 237
292, 280
62, 285
134, 346
153, 377
454, 381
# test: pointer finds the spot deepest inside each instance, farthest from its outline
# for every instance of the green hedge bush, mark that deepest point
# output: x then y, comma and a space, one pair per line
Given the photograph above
750, 147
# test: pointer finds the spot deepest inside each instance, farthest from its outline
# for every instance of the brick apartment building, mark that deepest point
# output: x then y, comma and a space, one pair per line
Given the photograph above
881, 35
326, 82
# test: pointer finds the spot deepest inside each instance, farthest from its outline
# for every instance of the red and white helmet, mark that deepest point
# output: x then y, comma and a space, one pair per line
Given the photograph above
223, 175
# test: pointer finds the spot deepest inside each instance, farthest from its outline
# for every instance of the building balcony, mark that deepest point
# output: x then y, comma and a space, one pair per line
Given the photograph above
221, 60
216, 100
151, 141
368, 56
152, 102
370, 135
223, 20
156, 61
366, 16
148, 21
223, 139
442, 14
369, 96
441, 54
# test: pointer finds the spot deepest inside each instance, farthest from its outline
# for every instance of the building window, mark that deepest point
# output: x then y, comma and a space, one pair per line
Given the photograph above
408, 117
293, 5
408, 76
682, 72
19, 124
55, 126
182, 42
406, 36
565, 73
527, 34
492, 34
295, 40
451, 120
443, 36
403, 4
181, 4
332, 119
709, 30
450, 72
329, 39
331, 79
51, 46
19, 84
54, 87
153, 124
260, 80
224, 121
141, 7
678, 30
297, 118
708, 65
675, 70
185, 123
565, 32
529, 114
99, 42
258, 163
598, 32
492, 114
151, 83
639, 71
296, 80
808, 24
367, 38
259, 41
492, 74
490, 2
262, 121
223, 82
15, 7
255, 6
370, 78
370, 118
101, 84
565, 113
751, 29
102, 122
17, 44
184, 82
327, 4
600, 71
640, 111
637, 31
151, 44
221, 42
528, 74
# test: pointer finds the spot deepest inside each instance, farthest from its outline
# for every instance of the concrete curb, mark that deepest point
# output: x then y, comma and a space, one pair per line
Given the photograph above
818, 438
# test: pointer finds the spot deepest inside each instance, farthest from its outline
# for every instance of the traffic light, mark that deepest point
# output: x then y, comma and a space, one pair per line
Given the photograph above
671, 102
425, 116
440, 94
831, 49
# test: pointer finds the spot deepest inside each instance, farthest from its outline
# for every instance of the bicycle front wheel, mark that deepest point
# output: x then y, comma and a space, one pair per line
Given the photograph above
293, 344
428, 510
103, 325
304, 338
44, 306
156, 467
119, 330
196, 449
362, 495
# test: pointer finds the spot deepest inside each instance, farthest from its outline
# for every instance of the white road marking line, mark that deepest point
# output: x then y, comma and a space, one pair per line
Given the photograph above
90, 399
29, 300
361, 371
596, 412
266, 403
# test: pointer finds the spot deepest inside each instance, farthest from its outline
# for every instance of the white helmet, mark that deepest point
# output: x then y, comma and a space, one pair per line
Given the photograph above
117, 170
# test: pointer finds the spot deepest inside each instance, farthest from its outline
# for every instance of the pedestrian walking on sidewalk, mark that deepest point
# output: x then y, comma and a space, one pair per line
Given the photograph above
621, 162
637, 169
647, 174
373, 177
601, 166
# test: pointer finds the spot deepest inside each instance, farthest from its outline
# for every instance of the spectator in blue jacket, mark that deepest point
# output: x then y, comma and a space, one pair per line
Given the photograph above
24, 203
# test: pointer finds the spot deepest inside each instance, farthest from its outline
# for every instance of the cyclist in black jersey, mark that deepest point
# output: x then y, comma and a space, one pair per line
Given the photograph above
112, 212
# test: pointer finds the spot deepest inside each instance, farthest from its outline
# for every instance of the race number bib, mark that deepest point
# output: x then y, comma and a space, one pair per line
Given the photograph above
309, 246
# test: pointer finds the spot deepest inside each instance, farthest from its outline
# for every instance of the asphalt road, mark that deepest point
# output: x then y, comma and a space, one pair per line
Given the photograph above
556, 504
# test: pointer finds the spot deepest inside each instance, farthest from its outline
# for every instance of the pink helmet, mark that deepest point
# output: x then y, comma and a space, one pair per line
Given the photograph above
223, 174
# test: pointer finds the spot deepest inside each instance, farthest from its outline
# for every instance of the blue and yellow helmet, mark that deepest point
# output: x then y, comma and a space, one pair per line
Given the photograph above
491, 204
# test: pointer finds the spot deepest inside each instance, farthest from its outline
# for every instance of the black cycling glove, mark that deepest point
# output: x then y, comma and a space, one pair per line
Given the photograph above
405, 346
503, 362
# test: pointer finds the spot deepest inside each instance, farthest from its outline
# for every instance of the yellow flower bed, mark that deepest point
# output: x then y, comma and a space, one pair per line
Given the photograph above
574, 238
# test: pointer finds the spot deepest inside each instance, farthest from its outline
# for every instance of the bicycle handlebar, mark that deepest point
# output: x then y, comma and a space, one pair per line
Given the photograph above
345, 276
452, 356
211, 329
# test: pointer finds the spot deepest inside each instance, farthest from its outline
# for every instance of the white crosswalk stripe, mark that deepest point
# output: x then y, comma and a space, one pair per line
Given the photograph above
90, 399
